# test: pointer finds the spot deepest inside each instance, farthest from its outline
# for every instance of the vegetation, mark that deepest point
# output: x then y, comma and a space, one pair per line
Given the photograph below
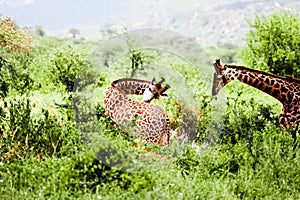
57, 143
273, 44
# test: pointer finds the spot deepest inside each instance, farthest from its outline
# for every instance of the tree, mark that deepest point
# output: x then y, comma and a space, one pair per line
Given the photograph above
273, 44
74, 32
39, 31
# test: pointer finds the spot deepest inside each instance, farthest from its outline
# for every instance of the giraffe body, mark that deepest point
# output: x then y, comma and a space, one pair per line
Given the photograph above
145, 120
284, 89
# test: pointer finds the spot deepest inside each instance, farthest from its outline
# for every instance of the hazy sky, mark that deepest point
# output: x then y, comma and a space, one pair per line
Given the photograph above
56, 14
90, 16
61, 13
208, 20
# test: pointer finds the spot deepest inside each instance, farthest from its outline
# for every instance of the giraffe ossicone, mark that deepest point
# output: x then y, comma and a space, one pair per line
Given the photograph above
284, 89
145, 120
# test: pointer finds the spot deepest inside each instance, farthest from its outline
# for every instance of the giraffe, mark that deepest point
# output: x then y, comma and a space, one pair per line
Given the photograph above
150, 122
285, 89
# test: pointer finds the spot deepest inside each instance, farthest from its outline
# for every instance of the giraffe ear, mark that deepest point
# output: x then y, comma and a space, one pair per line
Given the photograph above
218, 65
164, 95
164, 89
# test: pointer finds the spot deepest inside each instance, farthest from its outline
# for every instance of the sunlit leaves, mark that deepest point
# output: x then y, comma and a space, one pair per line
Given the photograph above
273, 44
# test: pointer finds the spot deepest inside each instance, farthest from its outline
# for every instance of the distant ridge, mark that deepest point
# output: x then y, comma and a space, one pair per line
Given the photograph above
211, 22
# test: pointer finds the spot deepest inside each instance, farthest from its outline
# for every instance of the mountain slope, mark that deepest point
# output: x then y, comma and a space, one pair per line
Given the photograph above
209, 21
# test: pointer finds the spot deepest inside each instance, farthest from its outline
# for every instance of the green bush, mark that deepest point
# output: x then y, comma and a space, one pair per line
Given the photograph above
66, 63
14, 73
16, 48
267, 170
245, 115
55, 178
26, 134
273, 44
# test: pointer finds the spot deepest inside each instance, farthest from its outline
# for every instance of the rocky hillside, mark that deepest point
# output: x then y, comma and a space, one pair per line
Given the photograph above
213, 22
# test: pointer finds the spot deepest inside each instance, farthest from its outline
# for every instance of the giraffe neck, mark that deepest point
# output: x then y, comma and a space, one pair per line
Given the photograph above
276, 86
131, 86
119, 95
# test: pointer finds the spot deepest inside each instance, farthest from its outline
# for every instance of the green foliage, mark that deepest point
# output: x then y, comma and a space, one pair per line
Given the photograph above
14, 75
241, 173
273, 44
7, 72
26, 134
247, 114
15, 49
66, 63
138, 59
43, 154
78, 173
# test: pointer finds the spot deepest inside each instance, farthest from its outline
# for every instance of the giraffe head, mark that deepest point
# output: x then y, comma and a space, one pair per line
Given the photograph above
220, 79
155, 91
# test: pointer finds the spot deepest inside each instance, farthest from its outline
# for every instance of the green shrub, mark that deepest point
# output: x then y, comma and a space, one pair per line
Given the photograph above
14, 75
273, 44
245, 115
54, 178
16, 47
24, 135
66, 63
267, 170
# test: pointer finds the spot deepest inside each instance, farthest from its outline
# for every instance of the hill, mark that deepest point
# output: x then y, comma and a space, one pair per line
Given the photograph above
209, 21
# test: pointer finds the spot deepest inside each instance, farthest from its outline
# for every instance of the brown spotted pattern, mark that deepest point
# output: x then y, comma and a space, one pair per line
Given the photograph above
146, 120
284, 89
